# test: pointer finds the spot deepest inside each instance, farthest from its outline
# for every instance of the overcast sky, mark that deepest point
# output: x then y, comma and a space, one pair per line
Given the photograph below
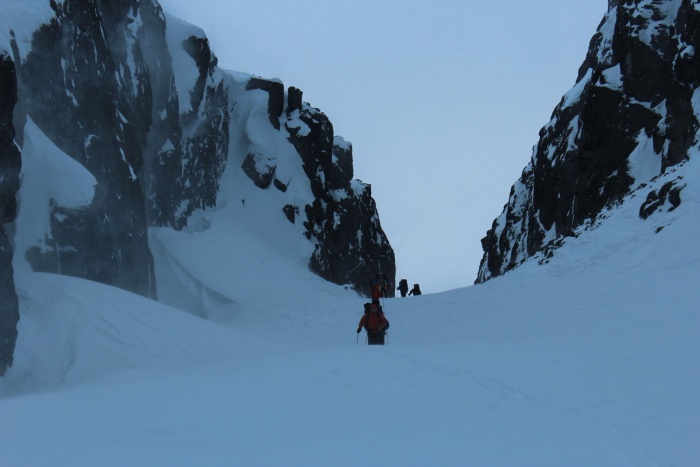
441, 100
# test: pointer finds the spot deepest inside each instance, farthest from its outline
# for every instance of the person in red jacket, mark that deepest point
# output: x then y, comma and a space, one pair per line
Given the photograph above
375, 323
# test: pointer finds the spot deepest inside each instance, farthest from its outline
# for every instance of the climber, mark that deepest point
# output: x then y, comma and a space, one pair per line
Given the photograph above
415, 291
403, 287
375, 323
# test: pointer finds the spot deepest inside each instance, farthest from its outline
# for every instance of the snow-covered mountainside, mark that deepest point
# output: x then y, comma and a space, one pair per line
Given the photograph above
128, 124
589, 359
585, 354
632, 115
137, 98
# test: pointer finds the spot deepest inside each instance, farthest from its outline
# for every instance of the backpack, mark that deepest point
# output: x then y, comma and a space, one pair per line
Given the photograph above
377, 318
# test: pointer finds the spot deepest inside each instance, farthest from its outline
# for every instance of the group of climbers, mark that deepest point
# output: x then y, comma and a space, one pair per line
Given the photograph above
403, 288
379, 286
373, 320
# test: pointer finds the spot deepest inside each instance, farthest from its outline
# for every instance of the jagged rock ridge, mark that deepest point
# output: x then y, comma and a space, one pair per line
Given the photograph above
632, 114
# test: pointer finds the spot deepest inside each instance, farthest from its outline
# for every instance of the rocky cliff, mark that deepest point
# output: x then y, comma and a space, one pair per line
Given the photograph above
9, 185
138, 99
86, 86
632, 114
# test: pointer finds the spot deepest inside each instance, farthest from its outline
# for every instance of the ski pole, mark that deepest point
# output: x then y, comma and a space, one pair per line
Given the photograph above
357, 341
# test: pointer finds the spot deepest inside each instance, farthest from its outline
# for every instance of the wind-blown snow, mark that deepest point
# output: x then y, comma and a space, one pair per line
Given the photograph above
643, 162
613, 77
341, 143
574, 93
607, 33
590, 359
185, 69
48, 177
22, 20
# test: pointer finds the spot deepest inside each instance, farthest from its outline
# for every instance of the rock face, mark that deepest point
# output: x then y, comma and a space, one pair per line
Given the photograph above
632, 114
104, 81
10, 164
343, 218
87, 89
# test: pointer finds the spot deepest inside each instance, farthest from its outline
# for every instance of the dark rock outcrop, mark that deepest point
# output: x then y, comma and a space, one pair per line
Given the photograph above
351, 245
260, 169
669, 193
341, 172
163, 146
99, 83
633, 99
76, 91
275, 101
10, 165
294, 99
291, 212
204, 149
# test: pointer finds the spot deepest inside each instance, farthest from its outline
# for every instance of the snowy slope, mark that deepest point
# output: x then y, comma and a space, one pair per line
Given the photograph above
631, 116
49, 177
588, 359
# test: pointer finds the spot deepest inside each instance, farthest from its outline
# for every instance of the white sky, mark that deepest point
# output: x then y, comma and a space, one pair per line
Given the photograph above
441, 100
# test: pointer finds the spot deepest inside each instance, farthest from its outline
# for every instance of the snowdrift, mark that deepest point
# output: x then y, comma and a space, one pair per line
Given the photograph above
583, 357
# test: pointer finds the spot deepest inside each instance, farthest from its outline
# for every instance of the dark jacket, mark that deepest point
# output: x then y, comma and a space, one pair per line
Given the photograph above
403, 287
